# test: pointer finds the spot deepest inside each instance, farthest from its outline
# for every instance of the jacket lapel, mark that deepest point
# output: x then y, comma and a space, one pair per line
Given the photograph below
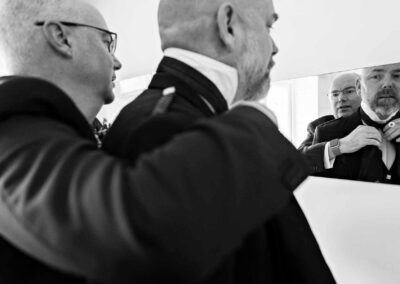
190, 84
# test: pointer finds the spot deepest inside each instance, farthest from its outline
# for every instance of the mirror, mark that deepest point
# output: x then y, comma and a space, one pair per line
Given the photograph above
299, 102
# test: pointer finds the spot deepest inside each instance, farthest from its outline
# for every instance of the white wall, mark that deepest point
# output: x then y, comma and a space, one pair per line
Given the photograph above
323, 36
139, 47
314, 36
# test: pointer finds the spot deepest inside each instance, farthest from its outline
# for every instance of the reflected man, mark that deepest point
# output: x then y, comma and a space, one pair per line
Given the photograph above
368, 139
343, 100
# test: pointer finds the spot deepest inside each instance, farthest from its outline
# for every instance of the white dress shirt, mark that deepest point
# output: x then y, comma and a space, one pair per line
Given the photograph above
223, 76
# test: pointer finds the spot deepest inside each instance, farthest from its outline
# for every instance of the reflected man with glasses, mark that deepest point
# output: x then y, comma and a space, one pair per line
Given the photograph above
343, 100
367, 141
343, 97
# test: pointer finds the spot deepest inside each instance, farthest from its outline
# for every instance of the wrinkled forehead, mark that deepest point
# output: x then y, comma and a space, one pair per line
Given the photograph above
389, 68
343, 82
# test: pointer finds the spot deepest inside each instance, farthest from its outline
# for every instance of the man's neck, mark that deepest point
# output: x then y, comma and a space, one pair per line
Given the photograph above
82, 96
224, 77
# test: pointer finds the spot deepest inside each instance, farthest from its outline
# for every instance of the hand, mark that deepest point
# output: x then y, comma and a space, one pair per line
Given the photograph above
360, 137
392, 130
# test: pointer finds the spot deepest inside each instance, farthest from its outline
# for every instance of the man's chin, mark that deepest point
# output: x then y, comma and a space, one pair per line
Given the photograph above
109, 98
344, 112
383, 112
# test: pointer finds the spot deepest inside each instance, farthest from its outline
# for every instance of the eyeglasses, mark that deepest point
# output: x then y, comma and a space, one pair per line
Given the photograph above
346, 92
112, 44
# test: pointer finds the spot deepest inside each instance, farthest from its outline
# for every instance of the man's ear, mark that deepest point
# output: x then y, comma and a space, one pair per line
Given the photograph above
58, 37
358, 87
227, 24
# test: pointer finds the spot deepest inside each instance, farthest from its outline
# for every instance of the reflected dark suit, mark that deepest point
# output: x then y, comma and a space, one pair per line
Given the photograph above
283, 249
315, 153
364, 164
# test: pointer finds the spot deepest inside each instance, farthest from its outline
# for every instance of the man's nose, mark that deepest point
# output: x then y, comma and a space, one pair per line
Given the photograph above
117, 63
275, 49
387, 82
342, 97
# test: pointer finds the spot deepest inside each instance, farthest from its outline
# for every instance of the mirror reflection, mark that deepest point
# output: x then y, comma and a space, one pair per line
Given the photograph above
346, 123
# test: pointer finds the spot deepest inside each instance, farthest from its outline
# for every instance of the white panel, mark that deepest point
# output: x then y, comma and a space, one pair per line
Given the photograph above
357, 225
323, 36
314, 36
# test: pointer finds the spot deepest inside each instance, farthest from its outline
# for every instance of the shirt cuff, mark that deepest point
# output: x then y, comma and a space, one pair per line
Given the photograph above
328, 164
262, 108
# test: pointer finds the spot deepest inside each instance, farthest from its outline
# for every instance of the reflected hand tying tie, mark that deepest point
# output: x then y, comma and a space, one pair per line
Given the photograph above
359, 138
392, 131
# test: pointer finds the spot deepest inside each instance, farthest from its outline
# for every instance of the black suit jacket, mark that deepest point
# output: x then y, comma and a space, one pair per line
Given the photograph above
315, 152
283, 249
83, 211
348, 166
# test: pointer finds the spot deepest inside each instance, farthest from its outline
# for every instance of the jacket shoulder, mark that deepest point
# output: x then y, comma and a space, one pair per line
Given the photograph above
320, 120
336, 128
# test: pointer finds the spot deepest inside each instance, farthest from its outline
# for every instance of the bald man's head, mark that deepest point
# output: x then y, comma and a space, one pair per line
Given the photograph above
20, 38
66, 42
235, 33
343, 96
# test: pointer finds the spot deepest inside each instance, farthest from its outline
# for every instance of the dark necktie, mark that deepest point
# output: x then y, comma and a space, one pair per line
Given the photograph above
372, 167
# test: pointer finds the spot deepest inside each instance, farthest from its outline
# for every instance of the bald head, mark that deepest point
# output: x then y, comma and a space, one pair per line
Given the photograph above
66, 42
193, 24
344, 80
343, 97
20, 39
236, 33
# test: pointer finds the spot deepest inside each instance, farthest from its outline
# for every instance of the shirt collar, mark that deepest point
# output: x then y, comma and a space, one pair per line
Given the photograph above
223, 76
367, 109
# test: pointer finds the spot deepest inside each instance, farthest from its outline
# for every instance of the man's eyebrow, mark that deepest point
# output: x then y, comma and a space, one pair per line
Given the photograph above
377, 70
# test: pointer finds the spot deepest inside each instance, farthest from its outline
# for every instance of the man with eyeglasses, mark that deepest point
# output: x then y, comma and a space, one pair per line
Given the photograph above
343, 100
366, 142
171, 218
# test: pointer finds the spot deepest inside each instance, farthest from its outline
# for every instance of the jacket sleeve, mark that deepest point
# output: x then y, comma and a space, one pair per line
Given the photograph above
314, 152
172, 216
309, 139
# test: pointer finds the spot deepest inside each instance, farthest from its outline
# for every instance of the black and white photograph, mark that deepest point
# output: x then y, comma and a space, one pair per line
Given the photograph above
199, 142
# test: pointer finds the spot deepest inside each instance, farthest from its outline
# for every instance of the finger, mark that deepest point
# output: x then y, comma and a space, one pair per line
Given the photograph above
392, 135
388, 130
364, 129
372, 131
395, 123
373, 142
369, 128
375, 135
